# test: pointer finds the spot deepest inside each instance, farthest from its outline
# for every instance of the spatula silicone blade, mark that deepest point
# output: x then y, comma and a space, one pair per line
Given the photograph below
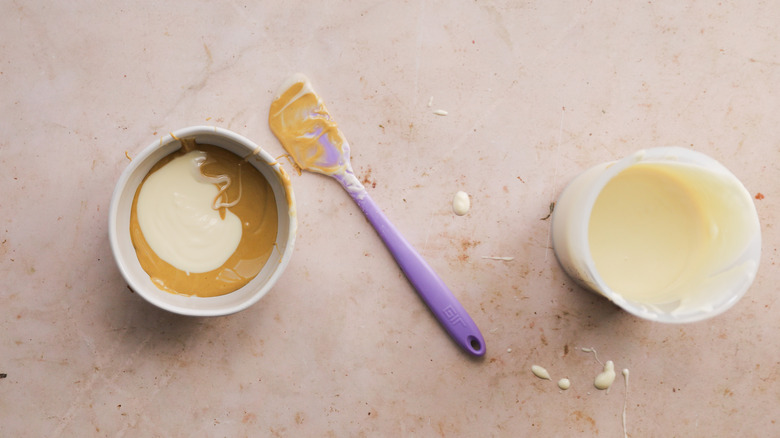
299, 119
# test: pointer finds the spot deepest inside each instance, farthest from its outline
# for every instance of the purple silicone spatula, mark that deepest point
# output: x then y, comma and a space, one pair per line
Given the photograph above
302, 124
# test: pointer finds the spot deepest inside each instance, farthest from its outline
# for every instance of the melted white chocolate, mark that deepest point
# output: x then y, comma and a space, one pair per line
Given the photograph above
540, 372
605, 378
461, 204
625, 402
177, 219
659, 233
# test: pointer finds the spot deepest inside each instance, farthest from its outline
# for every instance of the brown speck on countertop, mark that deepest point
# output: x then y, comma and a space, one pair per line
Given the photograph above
552, 207
759, 196
466, 245
366, 180
3, 375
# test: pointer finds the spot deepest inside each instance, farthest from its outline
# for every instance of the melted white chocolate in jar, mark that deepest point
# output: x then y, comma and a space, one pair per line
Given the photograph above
658, 231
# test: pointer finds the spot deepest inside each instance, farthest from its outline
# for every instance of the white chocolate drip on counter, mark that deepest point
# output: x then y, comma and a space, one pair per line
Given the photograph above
605, 378
595, 354
461, 204
625, 402
540, 372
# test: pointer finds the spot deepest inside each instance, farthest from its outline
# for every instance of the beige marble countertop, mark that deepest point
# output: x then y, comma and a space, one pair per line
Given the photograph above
536, 91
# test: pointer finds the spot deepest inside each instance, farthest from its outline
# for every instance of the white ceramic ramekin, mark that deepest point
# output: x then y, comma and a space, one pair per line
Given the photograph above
122, 246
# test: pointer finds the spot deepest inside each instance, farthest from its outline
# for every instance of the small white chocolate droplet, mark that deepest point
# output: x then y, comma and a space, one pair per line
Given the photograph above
605, 378
461, 203
625, 402
564, 384
540, 372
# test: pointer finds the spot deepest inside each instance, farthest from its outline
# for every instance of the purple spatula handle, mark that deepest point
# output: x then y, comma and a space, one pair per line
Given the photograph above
440, 300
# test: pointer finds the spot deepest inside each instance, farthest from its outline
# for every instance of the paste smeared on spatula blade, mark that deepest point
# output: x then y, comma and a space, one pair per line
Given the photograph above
299, 119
